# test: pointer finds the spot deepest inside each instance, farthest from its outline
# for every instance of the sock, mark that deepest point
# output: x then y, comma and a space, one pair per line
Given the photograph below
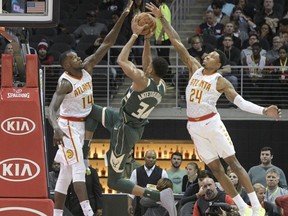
86, 208
155, 195
254, 200
57, 212
240, 203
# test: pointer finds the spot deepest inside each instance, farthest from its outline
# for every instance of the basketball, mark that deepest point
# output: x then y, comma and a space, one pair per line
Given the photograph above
146, 18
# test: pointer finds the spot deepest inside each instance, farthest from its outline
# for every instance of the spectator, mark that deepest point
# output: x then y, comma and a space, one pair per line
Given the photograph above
175, 173
260, 191
234, 178
210, 27
94, 190
229, 29
149, 173
245, 25
268, 15
265, 33
273, 54
194, 191
198, 49
191, 177
112, 5
153, 208
233, 58
253, 38
257, 173
211, 195
92, 27
273, 190
44, 57
283, 26
227, 7
53, 176
248, 9
161, 38
221, 17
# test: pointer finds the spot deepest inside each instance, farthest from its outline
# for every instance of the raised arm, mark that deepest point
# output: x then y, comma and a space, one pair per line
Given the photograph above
188, 60
146, 55
108, 42
127, 66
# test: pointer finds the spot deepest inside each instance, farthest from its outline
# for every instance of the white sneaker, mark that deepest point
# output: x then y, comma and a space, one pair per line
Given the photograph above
258, 211
167, 201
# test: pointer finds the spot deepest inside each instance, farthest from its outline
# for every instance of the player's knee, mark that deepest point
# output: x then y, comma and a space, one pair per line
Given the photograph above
62, 185
78, 172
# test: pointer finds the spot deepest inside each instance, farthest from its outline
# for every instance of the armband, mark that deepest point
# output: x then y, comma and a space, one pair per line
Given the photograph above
248, 106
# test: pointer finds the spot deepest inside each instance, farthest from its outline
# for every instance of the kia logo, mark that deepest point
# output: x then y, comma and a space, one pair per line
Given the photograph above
22, 209
18, 126
18, 169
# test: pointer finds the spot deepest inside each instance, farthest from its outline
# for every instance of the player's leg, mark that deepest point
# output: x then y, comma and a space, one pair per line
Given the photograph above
244, 180
62, 184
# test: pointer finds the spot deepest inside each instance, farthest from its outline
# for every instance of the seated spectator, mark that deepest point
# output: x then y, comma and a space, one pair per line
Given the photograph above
283, 26
112, 5
254, 75
194, 191
273, 190
282, 202
191, 177
265, 33
211, 195
53, 176
268, 15
279, 78
260, 191
198, 49
153, 208
233, 58
94, 190
227, 7
229, 29
234, 178
44, 57
245, 25
273, 54
210, 27
92, 27
221, 17
253, 38
248, 9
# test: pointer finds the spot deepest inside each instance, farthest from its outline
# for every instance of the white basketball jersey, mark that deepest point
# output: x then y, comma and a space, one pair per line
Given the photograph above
78, 103
201, 94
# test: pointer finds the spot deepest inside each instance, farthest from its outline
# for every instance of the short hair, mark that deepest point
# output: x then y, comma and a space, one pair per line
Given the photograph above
256, 44
222, 57
227, 35
267, 148
217, 4
177, 154
63, 57
204, 174
253, 33
273, 170
283, 48
160, 66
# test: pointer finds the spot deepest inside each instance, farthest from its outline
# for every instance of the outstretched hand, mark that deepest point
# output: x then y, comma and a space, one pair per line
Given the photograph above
153, 8
273, 112
136, 29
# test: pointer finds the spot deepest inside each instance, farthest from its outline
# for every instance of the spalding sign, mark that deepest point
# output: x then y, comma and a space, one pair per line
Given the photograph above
13, 209
18, 169
18, 126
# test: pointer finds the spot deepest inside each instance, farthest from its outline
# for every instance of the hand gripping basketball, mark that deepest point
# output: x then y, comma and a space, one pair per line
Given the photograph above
148, 20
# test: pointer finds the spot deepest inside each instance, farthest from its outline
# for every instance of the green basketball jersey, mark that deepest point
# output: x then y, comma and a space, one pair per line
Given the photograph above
136, 106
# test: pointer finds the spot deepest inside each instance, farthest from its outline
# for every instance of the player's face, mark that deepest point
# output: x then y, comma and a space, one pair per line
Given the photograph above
176, 161
74, 60
265, 157
211, 61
